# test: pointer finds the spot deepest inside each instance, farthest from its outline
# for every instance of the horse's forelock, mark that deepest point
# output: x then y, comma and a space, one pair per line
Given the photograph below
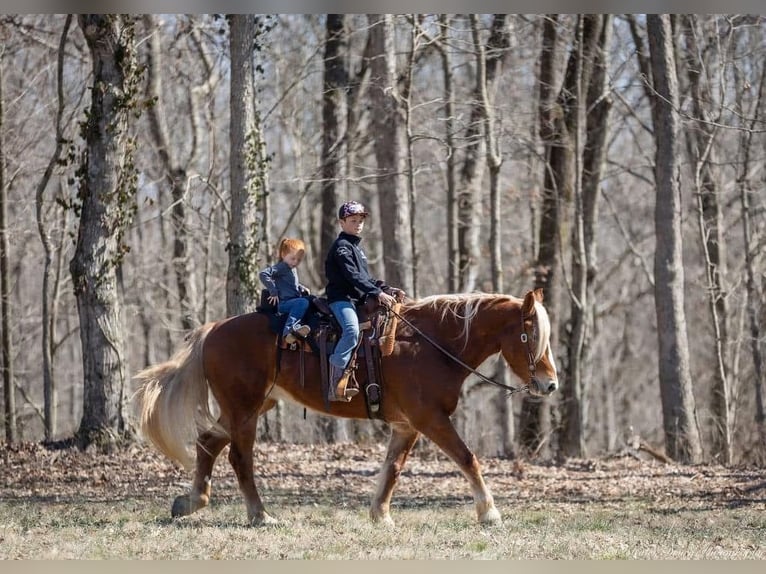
544, 330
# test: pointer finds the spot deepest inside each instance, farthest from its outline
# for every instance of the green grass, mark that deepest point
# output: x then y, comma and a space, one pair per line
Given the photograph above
142, 529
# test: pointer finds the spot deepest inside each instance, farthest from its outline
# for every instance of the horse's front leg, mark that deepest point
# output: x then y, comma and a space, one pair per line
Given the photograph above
439, 429
241, 459
403, 438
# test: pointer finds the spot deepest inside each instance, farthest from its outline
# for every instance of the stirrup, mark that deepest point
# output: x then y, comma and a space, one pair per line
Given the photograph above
340, 391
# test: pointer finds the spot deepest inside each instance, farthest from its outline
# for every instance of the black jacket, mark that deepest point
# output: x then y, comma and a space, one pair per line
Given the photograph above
348, 278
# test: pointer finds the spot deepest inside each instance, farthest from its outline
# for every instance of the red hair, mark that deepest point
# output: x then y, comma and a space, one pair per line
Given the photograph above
288, 245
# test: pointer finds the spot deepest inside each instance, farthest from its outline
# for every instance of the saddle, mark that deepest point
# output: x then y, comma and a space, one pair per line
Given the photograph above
377, 327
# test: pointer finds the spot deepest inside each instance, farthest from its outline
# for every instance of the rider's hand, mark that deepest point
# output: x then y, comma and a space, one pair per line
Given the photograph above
398, 294
274, 300
385, 299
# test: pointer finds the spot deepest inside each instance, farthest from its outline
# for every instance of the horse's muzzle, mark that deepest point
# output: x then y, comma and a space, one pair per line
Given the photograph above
545, 387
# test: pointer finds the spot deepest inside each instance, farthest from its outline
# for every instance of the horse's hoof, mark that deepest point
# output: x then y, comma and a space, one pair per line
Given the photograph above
182, 506
264, 519
491, 518
382, 519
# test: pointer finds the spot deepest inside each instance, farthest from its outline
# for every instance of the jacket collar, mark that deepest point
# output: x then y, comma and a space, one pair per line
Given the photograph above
355, 239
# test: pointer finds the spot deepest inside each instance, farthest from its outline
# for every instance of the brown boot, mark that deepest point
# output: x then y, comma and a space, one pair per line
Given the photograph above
338, 388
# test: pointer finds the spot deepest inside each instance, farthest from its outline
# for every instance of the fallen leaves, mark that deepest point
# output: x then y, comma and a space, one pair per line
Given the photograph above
347, 474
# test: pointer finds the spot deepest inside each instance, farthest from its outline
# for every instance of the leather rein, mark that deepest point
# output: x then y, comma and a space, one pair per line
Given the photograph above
524, 339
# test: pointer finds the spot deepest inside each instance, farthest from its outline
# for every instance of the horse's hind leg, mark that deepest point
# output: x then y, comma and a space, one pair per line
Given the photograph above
209, 446
439, 429
403, 438
241, 459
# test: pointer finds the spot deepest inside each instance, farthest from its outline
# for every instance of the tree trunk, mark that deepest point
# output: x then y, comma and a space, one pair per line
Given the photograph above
472, 172
535, 416
753, 300
48, 326
488, 66
247, 173
589, 35
175, 176
453, 255
411, 188
106, 192
699, 141
682, 441
9, 397
333, 144
388, 124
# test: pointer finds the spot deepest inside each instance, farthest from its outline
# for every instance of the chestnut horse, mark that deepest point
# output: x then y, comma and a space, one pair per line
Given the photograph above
236, 359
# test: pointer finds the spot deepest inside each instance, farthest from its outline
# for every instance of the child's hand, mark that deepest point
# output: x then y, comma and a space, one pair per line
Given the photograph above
273, 300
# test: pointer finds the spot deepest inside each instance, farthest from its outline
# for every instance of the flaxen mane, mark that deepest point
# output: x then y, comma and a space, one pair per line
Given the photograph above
465, 307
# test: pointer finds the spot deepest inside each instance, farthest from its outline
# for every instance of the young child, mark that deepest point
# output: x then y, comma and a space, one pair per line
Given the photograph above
348, 284
285, 292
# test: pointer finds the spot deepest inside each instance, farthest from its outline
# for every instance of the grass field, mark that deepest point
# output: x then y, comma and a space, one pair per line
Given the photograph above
68, 504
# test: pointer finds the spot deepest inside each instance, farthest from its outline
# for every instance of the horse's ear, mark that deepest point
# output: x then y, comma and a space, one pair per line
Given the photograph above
528, 308
539, 294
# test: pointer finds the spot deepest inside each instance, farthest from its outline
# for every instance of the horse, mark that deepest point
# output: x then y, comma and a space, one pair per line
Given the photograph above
439, 340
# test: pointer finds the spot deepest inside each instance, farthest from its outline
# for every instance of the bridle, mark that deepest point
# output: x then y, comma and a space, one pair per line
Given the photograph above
524, 339
530, 345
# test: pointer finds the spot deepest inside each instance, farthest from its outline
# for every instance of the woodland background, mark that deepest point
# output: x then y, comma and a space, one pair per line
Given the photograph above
149, 164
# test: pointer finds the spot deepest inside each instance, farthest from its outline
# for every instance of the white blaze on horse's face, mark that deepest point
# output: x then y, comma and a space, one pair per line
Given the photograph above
550, 385
545, 378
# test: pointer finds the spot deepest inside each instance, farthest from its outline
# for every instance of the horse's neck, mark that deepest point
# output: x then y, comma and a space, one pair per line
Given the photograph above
483, 337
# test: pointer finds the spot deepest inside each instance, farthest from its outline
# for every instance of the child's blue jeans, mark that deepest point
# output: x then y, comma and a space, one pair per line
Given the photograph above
295, 308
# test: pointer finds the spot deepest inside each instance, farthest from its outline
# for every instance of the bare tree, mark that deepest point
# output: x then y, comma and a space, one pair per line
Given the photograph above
453, 254
472, 171
700, 141
597, 108
753, 300
5, 290
682, 440
577, 82
333, 132
107, 186
247, 172
334, 113
487, 65
48, 318
388, 123
535, 417
175, 174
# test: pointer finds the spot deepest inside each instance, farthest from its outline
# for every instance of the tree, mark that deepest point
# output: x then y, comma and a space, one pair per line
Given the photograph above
752, 298
453, 254
578, 83
700, 141
247, 172
5, 291
107, 186
388, 125
175, 174
472, 171
535, 417
682, 441
487, 66
333, 133
49, 317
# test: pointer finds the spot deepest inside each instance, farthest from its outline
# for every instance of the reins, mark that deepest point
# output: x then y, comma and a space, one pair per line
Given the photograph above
511, 390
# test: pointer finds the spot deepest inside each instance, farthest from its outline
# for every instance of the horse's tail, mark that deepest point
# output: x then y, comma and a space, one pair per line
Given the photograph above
172, 400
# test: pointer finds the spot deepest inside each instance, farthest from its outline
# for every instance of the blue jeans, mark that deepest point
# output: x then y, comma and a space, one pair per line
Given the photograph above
345, 313
295, 308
